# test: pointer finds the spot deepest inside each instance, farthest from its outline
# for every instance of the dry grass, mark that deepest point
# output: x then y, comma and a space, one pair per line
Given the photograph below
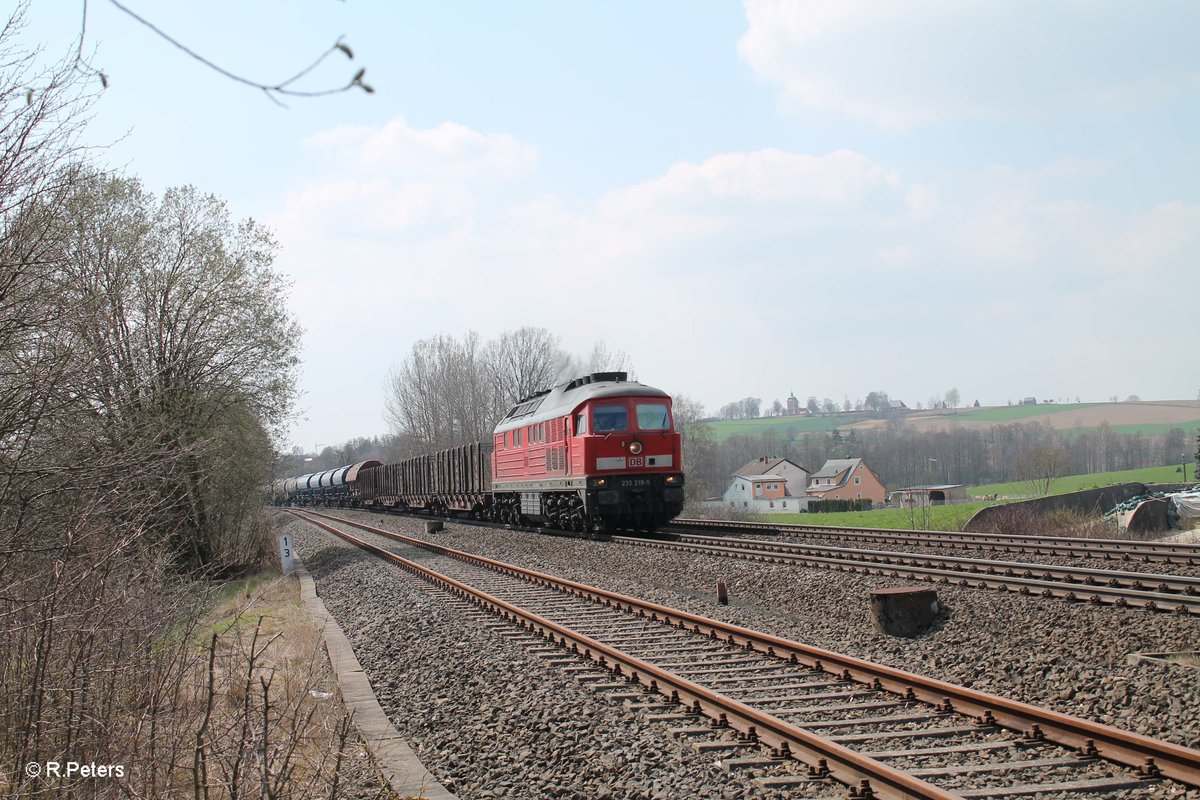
272, 724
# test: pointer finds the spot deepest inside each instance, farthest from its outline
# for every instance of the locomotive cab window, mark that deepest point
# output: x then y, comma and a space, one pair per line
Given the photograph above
580, 424
610, 418
653, 417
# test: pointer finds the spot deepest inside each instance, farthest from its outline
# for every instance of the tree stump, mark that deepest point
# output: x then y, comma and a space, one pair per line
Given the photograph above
904, 610
434, 525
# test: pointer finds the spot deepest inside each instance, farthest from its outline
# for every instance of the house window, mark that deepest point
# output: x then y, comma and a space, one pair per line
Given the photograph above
785, 503
857, 480
772, 504
859, 495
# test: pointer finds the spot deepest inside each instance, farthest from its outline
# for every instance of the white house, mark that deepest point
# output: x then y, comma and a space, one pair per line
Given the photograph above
793, 474
768, 486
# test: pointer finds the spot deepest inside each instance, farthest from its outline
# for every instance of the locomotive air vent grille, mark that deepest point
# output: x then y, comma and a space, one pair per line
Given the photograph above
598, 377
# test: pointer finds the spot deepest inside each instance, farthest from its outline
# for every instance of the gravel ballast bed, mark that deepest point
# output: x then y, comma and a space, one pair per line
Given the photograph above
1067, 657
485, 716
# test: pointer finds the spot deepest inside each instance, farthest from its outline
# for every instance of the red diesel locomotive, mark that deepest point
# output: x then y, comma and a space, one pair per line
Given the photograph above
596, 453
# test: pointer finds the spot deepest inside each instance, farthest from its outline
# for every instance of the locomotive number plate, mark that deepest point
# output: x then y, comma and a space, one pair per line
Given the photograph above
637, 461
629, 483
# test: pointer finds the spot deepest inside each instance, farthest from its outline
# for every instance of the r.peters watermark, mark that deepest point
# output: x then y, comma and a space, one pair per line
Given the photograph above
73, 769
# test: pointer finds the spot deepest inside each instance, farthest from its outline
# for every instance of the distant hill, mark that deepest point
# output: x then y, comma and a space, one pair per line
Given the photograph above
1148, 417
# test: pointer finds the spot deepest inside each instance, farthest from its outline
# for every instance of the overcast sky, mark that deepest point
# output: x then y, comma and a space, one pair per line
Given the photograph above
750, 200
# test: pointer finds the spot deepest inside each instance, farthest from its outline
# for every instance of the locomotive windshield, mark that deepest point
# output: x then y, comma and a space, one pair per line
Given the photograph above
653, 417
610, 418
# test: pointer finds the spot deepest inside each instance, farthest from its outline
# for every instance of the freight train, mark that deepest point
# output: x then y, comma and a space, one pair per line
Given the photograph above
596, 453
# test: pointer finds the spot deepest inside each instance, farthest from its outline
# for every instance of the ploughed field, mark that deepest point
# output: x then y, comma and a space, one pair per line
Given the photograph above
478, 711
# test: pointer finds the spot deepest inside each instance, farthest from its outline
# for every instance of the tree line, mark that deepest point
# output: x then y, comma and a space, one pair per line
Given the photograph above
902, 455
147, 360
450, 390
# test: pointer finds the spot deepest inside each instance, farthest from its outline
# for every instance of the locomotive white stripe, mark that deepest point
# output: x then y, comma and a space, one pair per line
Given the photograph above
617, 462
660, 461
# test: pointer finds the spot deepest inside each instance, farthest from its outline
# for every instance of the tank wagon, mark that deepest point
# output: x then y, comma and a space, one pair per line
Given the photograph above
596, 453
333, 487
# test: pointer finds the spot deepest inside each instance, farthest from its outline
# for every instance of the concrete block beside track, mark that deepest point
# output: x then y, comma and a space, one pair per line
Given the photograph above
396, 760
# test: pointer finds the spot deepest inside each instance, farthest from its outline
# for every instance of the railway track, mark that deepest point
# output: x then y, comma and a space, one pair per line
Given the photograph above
883, 732
1038, 545
1155, 592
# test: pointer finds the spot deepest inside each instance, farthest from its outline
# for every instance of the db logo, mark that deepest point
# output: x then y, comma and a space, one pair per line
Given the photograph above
637, 461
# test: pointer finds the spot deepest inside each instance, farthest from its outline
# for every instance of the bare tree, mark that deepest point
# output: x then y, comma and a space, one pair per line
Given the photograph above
442, 394
1040, 467
289, 87
953, 397
178, 327
878, 402
601, 359
520, 363
700, 464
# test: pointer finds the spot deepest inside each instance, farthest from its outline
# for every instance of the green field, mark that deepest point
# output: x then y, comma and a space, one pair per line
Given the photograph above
1073, 483
1013, 413
781, 426
953, 517
789, 427
939, 518
1152, 428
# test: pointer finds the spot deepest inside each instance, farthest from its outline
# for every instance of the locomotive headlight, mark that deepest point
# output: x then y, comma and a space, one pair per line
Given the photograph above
601, 483
671, 479
635, 447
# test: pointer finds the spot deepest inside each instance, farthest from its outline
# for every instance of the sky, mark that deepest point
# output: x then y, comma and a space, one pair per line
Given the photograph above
753, 199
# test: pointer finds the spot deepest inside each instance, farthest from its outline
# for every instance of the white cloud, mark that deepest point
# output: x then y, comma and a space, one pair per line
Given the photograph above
450, 149
903, 65
688, 269
817, 184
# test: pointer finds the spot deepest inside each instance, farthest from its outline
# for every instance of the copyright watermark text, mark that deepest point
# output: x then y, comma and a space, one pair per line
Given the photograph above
73, 769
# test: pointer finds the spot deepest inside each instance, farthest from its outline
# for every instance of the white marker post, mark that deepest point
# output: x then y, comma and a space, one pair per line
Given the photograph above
285, 553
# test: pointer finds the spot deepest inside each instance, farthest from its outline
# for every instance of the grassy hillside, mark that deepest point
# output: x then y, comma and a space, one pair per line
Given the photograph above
784, 427
1004, 414
1150, 418
1073, 483
954, 517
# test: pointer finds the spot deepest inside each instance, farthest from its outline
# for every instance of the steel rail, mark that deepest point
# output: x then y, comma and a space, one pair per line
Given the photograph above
1183, 584
826, 759
1150, 756
1178, 594
1168, 552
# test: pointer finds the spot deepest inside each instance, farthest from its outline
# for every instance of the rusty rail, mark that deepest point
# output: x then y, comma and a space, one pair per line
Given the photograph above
1150, 756
1179, 594
1040, 544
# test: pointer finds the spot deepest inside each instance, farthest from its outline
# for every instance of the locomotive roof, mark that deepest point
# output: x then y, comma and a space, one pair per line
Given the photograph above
564, 398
